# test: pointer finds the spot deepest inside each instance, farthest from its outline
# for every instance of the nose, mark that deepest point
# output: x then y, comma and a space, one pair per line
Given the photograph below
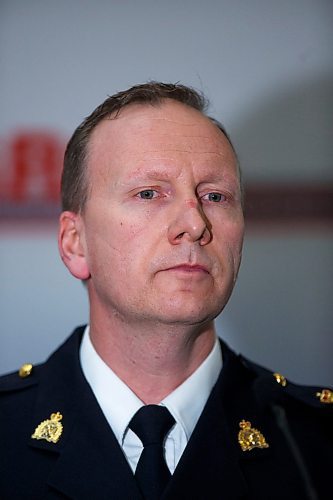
189, 223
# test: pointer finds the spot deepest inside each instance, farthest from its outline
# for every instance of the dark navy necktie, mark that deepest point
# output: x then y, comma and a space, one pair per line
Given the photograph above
151, 424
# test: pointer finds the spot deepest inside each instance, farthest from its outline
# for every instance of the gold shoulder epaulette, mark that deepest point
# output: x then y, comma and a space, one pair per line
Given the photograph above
280, 379
325, 396
25, 370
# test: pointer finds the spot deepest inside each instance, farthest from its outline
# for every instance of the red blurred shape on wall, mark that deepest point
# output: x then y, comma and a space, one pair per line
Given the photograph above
31, 164
35, 167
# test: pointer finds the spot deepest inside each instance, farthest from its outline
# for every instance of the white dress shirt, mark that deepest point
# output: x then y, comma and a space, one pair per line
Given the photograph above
119, 403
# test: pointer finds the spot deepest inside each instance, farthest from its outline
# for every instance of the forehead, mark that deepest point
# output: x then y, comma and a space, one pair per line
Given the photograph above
165, 131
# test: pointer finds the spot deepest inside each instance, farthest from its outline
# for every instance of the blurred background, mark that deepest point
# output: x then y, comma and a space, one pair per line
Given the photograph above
266, 67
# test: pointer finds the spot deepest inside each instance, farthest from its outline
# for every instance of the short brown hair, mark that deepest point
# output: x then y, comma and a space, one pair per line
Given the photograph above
74, 182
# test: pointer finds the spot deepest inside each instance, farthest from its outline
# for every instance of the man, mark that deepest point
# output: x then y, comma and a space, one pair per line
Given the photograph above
152, 222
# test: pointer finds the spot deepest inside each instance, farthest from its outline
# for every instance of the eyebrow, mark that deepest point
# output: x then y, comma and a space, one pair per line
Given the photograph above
153, 173
167, 172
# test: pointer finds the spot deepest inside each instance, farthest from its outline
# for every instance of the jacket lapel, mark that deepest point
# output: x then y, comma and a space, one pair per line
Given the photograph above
88, 461
212, 461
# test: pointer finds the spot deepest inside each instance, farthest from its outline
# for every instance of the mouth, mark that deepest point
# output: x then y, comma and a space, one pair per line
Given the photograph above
188, 268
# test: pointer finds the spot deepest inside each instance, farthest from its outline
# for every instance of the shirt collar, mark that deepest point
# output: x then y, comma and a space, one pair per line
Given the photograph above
119, 403
187, 401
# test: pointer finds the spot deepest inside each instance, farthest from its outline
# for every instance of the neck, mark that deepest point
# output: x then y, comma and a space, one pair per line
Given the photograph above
152, 360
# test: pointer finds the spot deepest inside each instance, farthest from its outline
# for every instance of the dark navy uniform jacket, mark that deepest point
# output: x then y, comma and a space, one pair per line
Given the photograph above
87, 463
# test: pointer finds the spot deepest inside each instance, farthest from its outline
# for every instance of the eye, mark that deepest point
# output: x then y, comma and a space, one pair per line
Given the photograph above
215, 197
147, 194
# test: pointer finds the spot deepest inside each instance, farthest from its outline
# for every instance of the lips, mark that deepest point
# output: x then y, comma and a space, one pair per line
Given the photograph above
189, 268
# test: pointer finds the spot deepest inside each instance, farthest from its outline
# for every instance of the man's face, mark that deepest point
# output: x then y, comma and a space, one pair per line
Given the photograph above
163, 223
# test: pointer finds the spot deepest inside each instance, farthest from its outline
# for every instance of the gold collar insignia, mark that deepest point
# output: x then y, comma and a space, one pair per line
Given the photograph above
50, 429
250, 438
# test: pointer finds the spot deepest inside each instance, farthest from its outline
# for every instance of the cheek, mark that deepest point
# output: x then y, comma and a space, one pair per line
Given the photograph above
236, 246
236, 237
230, 242
114, 229
121, 244
142, 227
131, 236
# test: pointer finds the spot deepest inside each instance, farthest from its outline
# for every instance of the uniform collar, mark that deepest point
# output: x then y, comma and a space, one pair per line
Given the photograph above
119, 403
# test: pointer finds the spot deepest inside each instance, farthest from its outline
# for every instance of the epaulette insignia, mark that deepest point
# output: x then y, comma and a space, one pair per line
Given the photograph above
25, 370
50, 429
250, 438
325, 396
280, 379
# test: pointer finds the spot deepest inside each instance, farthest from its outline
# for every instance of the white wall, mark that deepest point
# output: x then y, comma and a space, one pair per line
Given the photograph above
267, 67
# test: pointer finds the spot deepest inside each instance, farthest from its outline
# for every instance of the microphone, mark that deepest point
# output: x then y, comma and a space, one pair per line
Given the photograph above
269, 393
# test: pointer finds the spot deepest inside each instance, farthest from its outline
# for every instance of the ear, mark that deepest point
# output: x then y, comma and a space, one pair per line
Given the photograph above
71, 244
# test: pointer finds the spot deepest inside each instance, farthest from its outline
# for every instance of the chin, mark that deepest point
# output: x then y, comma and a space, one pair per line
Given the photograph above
189, 316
